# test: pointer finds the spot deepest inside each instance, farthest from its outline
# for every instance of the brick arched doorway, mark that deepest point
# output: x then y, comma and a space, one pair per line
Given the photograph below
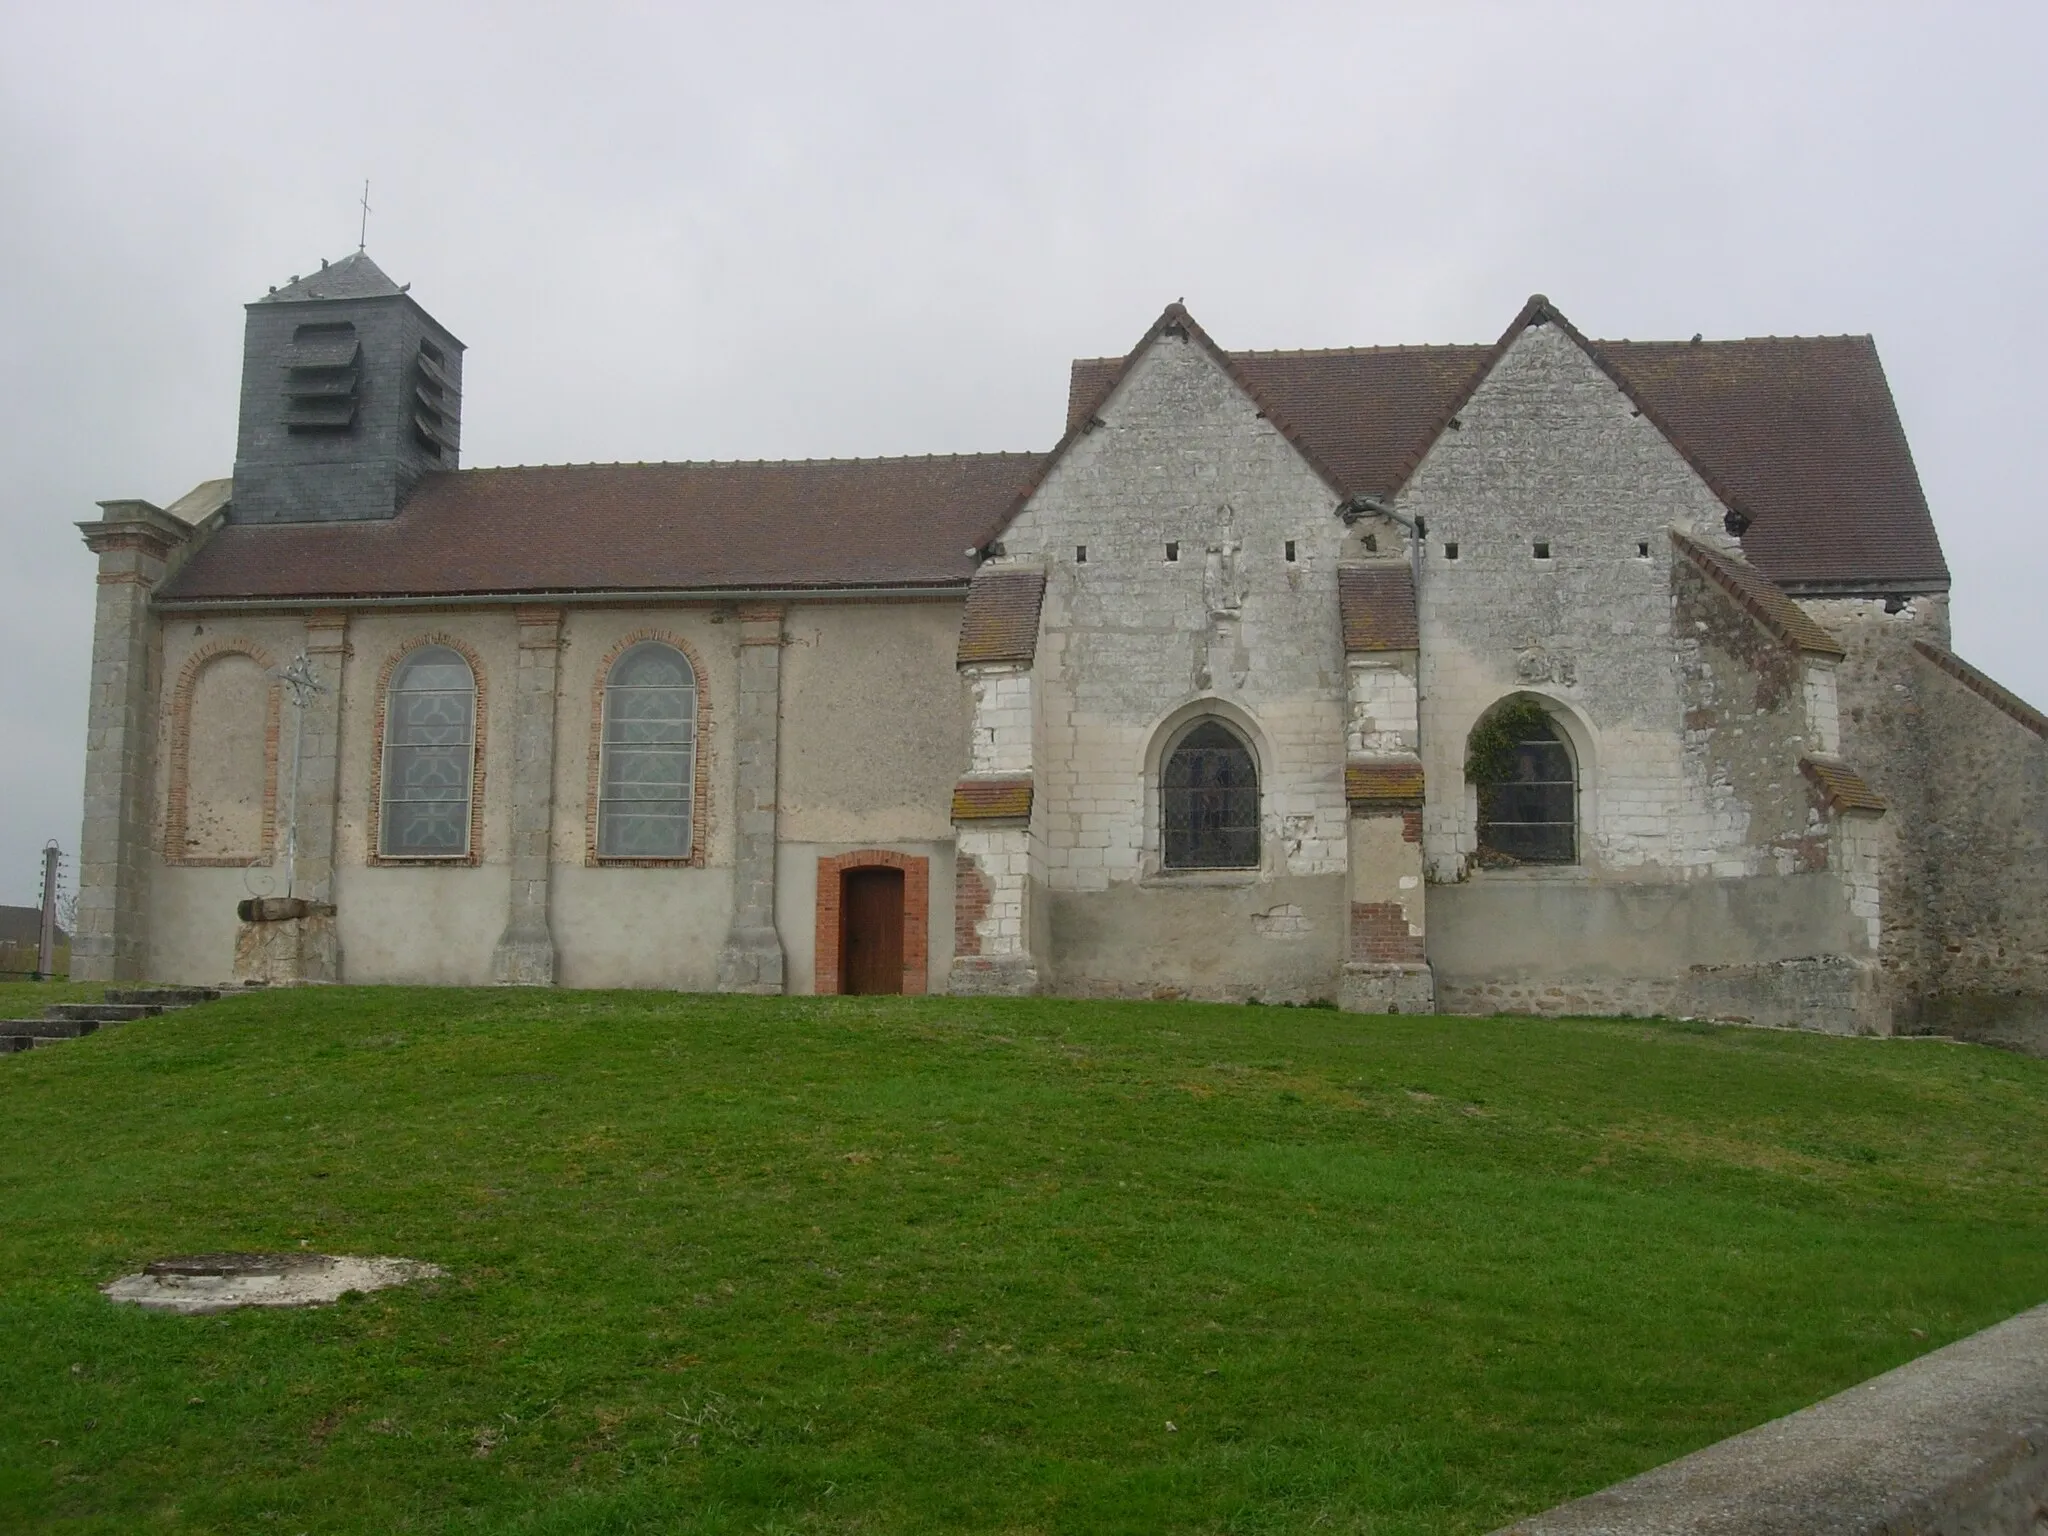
873, 929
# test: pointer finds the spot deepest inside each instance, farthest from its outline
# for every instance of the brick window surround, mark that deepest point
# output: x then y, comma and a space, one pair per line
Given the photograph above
916, 916
700, 759
177, 794
374, 827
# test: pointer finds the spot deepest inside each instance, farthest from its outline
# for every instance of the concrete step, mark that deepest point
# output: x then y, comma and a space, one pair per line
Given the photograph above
9, 1044
163, 997
50, 1029
103, 1013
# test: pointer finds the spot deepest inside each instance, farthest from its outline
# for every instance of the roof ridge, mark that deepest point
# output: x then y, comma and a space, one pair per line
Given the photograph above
896, 458
1370, 349
1172, 319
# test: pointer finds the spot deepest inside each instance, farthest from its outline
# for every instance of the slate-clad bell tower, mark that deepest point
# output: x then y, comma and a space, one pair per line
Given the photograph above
350, 392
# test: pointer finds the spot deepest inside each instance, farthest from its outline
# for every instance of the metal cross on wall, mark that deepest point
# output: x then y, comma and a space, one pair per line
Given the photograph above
297, 675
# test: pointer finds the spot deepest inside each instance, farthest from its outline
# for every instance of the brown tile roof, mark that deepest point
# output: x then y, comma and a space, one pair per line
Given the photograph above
1986, 688
1800, 434
1842, 785
1763, 600
1005, 799
1383, 780
1377, 604
635, 527
1000, 620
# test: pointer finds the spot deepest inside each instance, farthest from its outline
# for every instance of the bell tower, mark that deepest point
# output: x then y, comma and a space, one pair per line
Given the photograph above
350, 392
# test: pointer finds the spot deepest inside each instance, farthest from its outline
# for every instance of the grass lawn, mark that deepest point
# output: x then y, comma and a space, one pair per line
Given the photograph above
725, 1265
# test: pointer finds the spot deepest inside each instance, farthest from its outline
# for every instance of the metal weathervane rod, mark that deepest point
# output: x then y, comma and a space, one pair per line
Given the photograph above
363, 230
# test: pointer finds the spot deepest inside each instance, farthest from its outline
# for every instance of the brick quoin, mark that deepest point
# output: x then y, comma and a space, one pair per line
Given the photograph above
971, 897
1379, 933
1411, 826
916, 869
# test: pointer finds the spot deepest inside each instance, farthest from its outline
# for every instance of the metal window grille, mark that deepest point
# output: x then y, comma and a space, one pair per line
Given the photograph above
1533, 817
429, 756
648, 755
1209, 801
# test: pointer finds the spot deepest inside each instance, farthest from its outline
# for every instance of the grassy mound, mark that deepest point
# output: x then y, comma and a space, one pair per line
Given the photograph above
921, 1265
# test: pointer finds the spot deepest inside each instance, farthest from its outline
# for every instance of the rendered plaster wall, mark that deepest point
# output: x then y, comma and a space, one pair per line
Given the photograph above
227, 761
422, 925
638, 926
1133, 644
192, 923
227, 723
874, 724
625, 927
796, 905
191, 909
1549, 450
426, 920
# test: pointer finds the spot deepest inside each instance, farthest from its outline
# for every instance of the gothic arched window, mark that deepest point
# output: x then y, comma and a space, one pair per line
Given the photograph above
648, 755
429, 755
1209, 801
1528, 787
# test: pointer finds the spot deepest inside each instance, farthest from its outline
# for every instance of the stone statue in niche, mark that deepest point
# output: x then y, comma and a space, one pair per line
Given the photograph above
1223, 585
1223, 593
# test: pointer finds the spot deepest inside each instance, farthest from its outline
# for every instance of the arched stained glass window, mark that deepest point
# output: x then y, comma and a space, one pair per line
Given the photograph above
1209, 801
1529, 811
429, 756
648, 755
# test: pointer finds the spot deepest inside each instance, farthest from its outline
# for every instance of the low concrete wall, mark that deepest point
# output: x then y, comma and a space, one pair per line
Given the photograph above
1954, 1443
1781, 950
1277, 940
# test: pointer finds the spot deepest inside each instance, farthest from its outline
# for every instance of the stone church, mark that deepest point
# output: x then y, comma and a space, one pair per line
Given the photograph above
1541, 675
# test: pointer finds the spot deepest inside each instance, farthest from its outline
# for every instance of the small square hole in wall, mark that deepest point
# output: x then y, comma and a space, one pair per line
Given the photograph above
1372, 543
1173, 551
1290, 549
1542, 550
1451, 550
1642, 549
1080, 554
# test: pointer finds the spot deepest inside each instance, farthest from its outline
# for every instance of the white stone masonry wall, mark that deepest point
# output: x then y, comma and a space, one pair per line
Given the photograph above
1823, 709
1384, 716
1550, 451
1001, 737
1132, 640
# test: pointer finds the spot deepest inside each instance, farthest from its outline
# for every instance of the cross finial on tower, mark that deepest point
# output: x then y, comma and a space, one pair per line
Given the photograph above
363, 231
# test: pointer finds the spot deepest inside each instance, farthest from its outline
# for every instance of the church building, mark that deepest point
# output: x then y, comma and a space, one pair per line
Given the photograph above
1544, 675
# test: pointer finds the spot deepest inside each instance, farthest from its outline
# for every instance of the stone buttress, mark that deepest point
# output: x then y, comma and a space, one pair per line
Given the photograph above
752, 960
993, 951
1386, 969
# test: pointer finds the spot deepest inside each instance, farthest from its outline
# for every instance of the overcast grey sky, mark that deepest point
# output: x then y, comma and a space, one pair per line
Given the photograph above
681, 231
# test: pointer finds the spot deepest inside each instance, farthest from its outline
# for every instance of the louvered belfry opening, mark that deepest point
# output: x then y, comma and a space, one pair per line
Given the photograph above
322, 377
436, 403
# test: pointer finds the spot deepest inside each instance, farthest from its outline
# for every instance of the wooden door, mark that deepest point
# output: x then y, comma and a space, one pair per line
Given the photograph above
871, 931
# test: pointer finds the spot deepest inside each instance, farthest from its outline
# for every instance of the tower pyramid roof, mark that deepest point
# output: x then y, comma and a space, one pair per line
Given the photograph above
355, 276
